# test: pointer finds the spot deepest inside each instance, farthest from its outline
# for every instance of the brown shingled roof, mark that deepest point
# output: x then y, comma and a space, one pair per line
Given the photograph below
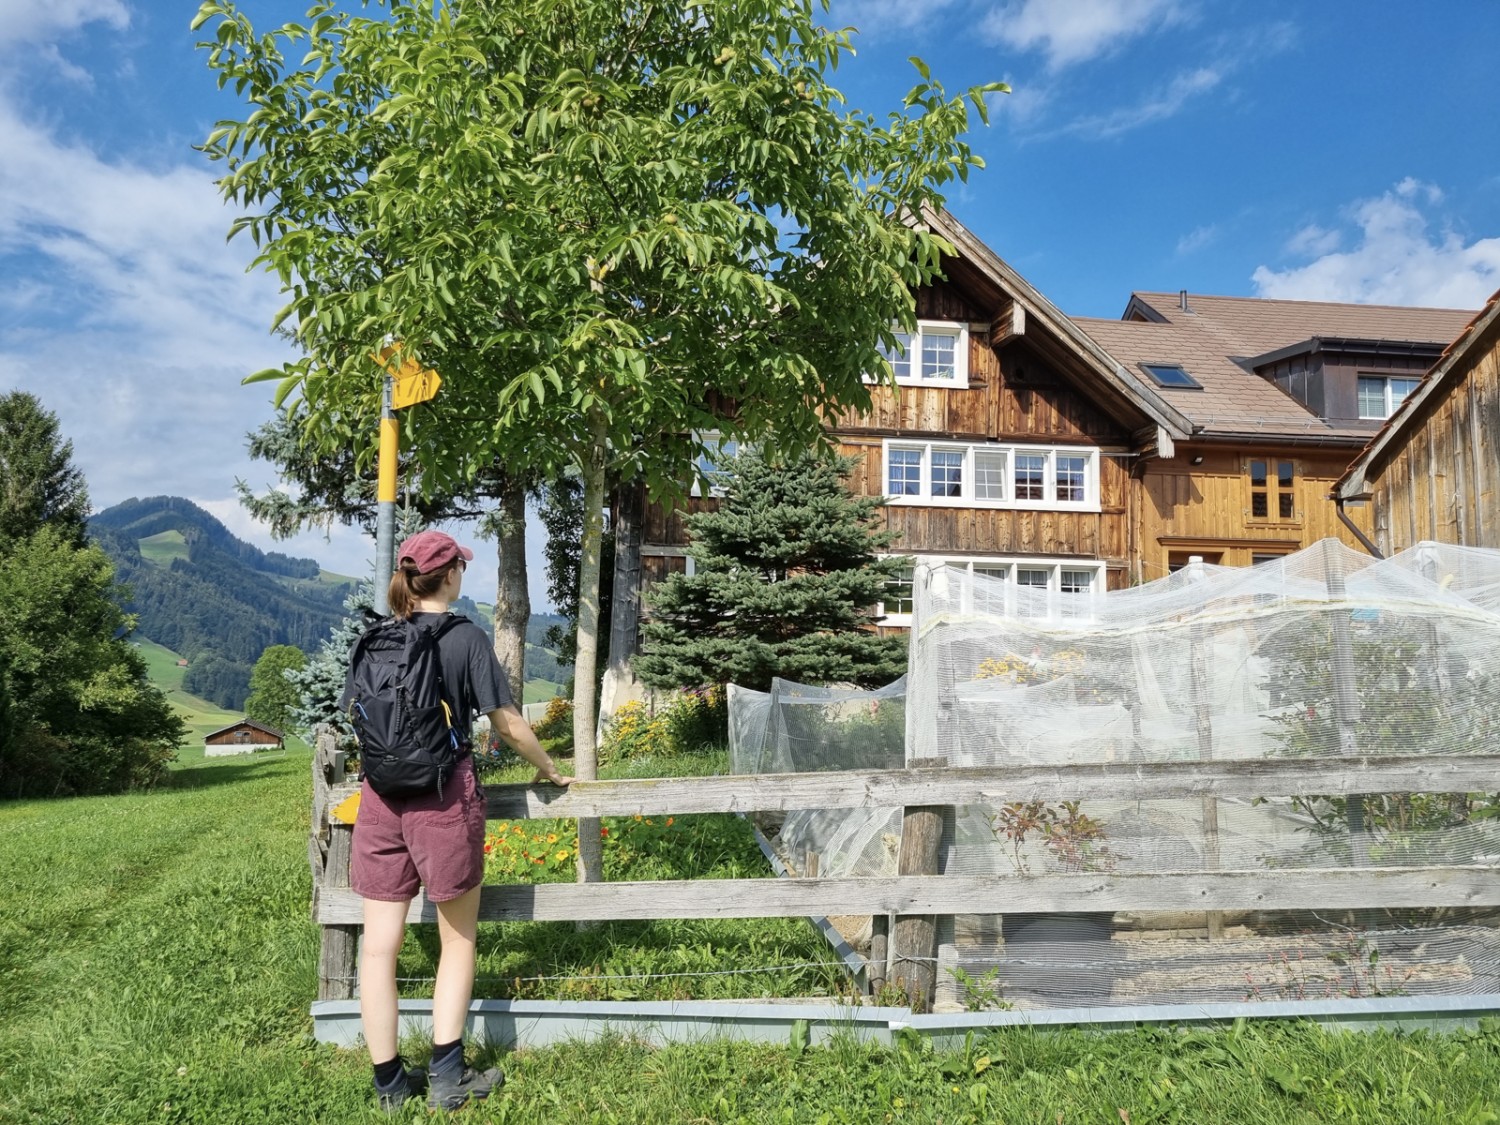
1232, 400
1250, 326
1215, 332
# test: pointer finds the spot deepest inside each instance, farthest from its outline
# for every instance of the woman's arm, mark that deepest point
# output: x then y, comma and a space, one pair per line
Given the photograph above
516, 733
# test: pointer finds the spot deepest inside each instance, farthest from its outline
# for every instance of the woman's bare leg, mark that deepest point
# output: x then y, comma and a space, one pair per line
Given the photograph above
385, 926
458, 921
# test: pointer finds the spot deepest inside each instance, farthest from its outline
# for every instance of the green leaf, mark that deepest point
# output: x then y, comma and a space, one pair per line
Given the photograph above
265, 375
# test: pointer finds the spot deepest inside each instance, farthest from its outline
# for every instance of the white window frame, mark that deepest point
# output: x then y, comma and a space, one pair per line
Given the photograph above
968, 484
1010, 564
960, 331
1385, 388
715, 439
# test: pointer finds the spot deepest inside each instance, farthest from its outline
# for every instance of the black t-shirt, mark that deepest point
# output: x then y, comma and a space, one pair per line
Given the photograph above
473, 680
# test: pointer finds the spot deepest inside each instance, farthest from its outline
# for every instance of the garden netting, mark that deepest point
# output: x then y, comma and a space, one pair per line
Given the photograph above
1325, 653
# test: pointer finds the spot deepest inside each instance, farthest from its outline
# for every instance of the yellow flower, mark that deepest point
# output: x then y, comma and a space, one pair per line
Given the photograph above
562, 855
551, 837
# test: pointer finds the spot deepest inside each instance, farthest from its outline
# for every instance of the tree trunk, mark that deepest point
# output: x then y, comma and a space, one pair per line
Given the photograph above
512, 598
586, 662
625, 604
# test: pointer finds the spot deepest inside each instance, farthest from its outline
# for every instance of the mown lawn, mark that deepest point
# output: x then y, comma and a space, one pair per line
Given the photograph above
157, 962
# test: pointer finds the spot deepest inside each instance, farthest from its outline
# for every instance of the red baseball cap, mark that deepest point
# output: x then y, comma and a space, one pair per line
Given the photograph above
431, 550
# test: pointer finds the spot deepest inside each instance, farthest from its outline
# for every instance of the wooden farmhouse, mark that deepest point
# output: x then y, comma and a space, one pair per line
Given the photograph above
1430, 473
243, 737
1080, 455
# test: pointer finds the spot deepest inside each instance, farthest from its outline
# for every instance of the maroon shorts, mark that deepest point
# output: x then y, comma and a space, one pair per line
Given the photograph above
401, 843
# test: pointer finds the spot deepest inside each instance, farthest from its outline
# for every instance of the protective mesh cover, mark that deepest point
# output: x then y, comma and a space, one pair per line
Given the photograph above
1324, 653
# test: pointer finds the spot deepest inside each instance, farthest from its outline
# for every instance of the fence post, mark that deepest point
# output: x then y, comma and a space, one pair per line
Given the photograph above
1203, 716
329, 851
914, 938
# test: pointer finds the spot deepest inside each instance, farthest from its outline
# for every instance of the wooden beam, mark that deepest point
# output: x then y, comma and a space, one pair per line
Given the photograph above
990, 785
1009, 323
1281, 889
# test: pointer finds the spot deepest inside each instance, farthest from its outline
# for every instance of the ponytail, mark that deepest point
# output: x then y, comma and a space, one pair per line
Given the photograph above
408, 585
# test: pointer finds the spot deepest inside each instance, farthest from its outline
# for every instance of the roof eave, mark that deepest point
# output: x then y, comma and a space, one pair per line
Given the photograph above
1176, 425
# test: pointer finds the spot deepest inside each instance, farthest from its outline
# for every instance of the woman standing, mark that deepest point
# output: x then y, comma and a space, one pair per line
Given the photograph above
435, 841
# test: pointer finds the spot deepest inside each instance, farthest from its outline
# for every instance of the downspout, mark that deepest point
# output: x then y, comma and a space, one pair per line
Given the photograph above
1338, 503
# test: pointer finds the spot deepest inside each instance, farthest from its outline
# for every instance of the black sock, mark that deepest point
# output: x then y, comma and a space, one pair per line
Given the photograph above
447, 1057
386, 1073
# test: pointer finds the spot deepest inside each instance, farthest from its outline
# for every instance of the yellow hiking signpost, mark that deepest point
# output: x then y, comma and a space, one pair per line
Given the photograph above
405, 385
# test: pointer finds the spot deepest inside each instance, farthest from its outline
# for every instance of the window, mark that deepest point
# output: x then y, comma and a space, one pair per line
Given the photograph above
1272, 495
1380, 396
1171, 375
898, 597
991, 476
711, 465
1043, 588
936, 354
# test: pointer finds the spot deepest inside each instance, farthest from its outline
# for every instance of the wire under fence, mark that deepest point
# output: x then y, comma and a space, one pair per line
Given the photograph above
751, 970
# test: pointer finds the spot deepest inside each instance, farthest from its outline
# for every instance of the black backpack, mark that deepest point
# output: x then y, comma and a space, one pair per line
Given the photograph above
401, 716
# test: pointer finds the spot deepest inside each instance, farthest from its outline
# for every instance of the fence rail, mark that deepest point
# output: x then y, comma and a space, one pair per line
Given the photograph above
856, 789
918, 895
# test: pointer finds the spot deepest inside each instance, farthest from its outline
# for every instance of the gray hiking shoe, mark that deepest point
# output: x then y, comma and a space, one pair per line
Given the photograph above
449, 1091
411, 1084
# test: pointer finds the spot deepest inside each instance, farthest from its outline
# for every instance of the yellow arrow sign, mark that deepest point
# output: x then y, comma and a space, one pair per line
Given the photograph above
347, 810
414, 384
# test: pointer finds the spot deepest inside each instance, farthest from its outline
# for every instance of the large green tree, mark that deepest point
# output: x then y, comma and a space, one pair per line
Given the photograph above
273, 698
39, 485
786, 577
608, 226
82, 716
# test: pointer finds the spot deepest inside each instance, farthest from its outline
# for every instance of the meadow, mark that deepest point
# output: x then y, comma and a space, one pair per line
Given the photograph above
158, 962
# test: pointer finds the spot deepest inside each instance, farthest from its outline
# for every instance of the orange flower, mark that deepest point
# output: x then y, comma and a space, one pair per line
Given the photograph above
603, 831
670, 819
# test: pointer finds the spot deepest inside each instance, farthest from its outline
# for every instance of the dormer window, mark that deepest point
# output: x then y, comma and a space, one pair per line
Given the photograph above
1380, 396
935, 355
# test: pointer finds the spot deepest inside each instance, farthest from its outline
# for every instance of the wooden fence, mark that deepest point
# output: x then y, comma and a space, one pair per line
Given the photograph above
917, 896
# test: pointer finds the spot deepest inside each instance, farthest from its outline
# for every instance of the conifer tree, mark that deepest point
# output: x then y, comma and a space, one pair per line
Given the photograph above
320, 682
787, 574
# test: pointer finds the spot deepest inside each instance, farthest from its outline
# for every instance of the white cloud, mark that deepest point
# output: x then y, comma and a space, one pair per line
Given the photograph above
1156, 106
1197, 239
1398, 259
1313, 241
883, 17
1077, 30
39, 21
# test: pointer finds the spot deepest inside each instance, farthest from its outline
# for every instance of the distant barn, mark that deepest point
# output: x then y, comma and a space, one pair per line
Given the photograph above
243, 737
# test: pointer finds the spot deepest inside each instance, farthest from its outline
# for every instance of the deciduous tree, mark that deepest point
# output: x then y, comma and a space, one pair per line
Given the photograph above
273, 697
608, 226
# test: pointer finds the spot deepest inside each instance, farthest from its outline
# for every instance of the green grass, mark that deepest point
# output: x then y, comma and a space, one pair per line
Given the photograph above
157, 963
163, 548
539, 691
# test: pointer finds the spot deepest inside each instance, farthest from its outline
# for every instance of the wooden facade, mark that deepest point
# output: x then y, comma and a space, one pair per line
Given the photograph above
1432, 472
1028, 384
243, 737
1174, 471
1201, 503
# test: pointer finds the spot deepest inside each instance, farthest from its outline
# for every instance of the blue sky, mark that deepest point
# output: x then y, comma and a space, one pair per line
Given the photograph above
1329, 151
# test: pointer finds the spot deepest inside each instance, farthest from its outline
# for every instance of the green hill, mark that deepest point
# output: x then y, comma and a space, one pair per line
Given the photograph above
200, 591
